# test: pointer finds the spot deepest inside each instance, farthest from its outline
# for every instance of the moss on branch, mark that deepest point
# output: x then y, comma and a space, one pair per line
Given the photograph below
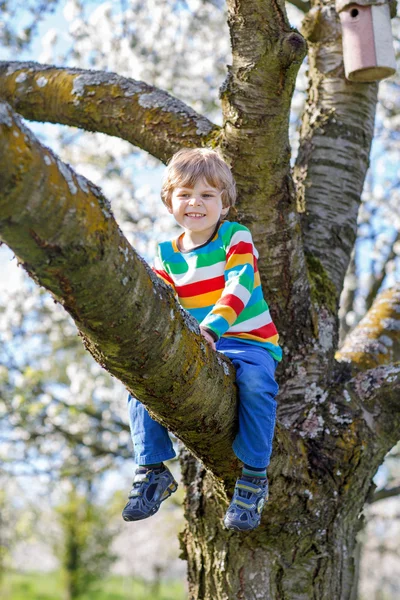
323, 291
375, 341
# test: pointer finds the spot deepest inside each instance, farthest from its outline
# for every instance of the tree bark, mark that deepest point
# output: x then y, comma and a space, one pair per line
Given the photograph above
347, 298
385, 493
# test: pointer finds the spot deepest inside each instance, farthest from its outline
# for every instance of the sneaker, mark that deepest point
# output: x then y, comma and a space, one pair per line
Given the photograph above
150, 488
249, 497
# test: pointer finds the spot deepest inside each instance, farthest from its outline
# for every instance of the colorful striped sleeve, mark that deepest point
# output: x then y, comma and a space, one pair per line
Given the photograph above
241, 260
161, 272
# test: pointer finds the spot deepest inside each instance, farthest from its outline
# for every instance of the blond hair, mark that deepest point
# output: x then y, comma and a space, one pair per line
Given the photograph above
191, 164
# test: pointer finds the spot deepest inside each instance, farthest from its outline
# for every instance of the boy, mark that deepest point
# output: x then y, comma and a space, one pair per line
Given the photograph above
212, 267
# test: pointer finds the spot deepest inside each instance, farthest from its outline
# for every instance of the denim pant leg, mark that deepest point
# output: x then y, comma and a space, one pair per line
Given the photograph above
151, 442
255, 378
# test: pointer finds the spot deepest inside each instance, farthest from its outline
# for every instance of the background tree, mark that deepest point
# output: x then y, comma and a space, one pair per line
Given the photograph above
383, 547
15, 525
85, 547
323, 466
58, 408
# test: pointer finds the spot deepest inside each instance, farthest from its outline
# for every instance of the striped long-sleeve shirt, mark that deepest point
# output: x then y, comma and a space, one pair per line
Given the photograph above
219, 284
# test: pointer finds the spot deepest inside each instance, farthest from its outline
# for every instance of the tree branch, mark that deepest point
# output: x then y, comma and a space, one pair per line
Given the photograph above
378, 280
128, 319
333, 158
385, 493
377, 393
256, 98
97, 101
347, 298
303, 6
375, 341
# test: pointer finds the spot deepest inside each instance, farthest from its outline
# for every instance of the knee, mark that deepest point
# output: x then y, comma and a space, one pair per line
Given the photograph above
256, 380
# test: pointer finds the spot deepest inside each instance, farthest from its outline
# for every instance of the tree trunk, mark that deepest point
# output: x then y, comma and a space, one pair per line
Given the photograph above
295, 556
305, 546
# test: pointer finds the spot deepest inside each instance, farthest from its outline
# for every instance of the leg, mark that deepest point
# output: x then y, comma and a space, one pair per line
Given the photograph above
155, 483
255, 370
151, 443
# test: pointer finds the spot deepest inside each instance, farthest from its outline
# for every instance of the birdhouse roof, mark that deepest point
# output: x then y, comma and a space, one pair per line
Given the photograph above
342, 4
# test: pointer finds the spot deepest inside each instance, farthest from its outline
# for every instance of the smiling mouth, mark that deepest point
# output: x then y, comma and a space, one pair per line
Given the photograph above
195, 215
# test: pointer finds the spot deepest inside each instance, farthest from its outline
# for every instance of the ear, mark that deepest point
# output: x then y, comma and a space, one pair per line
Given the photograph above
225, 211
169, 208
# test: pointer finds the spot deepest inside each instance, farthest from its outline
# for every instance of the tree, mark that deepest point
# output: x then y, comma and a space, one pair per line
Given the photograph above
339, 412
85, 550
15, 526
375, 514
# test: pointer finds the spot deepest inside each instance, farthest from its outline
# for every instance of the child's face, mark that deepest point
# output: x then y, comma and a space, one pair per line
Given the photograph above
198, 209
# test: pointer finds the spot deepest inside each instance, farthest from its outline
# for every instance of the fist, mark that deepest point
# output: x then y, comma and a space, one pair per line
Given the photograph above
208, 337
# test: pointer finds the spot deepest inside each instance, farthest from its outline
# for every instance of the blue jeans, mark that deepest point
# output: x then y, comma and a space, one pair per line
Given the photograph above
255, 371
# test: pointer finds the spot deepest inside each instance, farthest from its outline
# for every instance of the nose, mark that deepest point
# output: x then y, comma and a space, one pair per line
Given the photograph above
194, 200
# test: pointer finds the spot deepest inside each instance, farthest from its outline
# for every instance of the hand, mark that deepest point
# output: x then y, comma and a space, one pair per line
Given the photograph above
208, 337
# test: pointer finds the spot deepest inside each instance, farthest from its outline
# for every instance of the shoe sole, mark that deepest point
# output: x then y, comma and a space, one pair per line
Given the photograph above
232, 527
238, 526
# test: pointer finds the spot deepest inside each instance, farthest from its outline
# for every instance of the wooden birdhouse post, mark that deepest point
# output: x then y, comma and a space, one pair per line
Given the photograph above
368, 52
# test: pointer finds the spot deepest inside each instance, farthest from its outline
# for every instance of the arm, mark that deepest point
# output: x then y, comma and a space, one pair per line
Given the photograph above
241, 275
161, 272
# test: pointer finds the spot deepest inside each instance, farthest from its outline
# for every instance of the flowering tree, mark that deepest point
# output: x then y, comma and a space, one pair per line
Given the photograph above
338, 411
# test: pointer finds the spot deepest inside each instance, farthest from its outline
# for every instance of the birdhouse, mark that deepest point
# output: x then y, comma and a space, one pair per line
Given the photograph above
368, 52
